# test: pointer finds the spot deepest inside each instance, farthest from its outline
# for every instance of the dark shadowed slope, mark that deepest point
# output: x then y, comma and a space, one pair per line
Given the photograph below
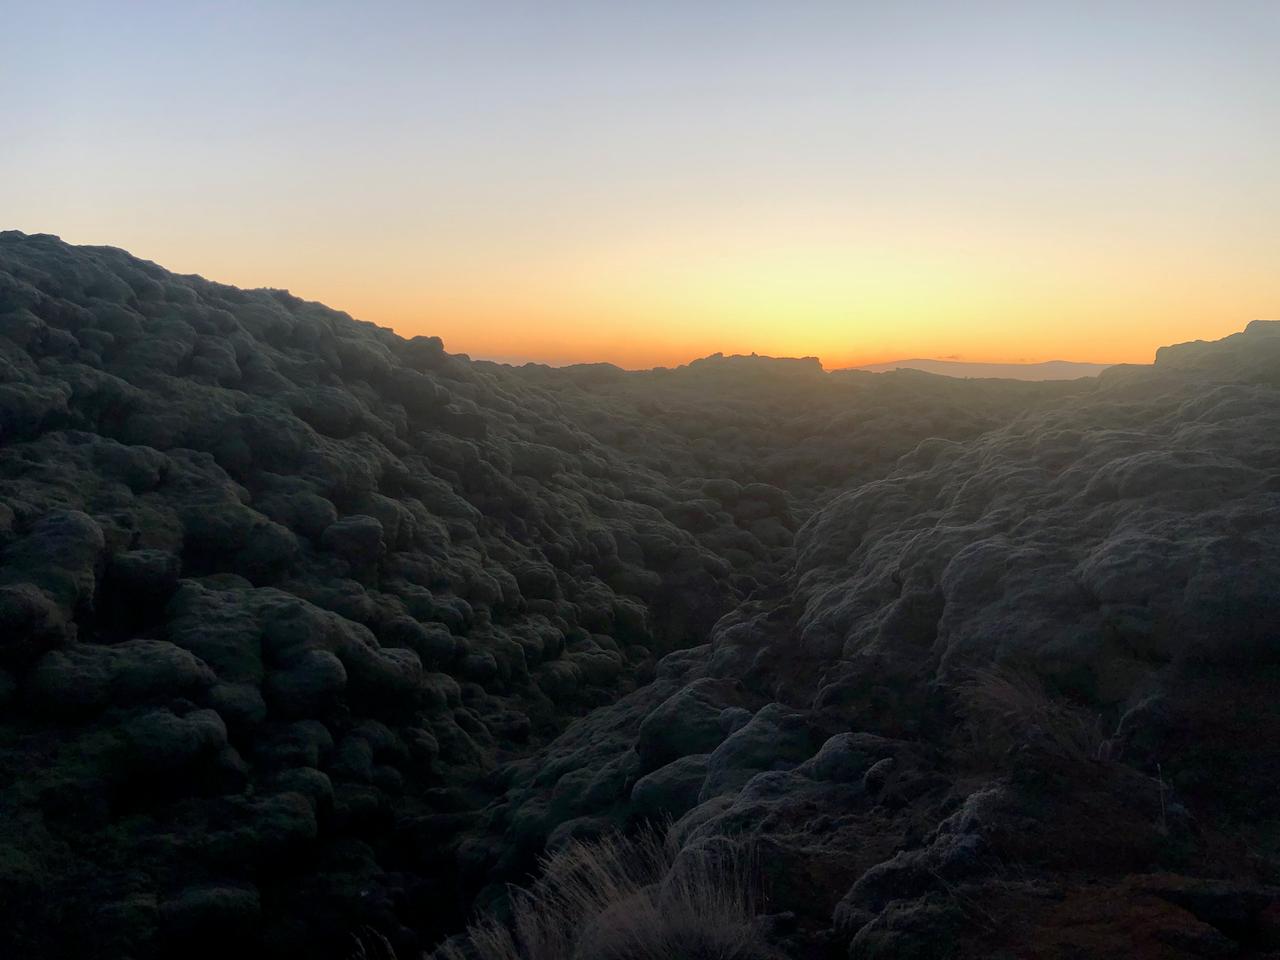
1016, 697
280, 592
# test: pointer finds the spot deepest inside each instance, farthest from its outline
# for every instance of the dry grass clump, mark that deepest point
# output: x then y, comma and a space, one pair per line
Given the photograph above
629, 899
1007, 707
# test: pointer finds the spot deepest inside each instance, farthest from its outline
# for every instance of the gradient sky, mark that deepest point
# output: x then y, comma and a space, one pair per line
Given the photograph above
646, 183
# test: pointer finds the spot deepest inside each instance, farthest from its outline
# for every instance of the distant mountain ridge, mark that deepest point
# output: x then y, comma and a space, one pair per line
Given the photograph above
755, 365
1048, 370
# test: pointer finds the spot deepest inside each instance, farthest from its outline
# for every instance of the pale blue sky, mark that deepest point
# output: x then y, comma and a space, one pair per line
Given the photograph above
624, 177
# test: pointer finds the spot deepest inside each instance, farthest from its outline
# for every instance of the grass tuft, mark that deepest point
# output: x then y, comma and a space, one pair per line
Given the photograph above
621, 898
1007, 708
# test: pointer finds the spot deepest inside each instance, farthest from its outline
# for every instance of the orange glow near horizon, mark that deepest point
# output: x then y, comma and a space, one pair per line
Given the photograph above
641, 307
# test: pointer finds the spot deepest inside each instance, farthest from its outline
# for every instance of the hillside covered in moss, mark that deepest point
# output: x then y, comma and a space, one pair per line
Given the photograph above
307, 628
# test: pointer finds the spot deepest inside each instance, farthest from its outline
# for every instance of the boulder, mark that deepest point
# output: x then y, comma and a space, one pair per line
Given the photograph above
776, 738
306, 685
31, 623
357, 540
686, 723
672, 790
218, 913
85, 678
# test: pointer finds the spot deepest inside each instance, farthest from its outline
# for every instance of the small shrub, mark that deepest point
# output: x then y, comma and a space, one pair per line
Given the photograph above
1006, 708
369, 944
628, 899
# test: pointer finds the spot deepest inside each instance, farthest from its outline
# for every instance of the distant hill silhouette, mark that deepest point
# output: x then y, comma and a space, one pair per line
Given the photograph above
1049, 370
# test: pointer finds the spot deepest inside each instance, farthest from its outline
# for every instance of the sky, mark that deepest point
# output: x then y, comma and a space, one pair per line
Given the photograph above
647, 183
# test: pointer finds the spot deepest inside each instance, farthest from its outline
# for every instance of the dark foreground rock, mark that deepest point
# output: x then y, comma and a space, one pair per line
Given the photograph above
305, 627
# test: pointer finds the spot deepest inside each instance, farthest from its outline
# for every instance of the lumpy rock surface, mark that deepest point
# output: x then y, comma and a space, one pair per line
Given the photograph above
306, 627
